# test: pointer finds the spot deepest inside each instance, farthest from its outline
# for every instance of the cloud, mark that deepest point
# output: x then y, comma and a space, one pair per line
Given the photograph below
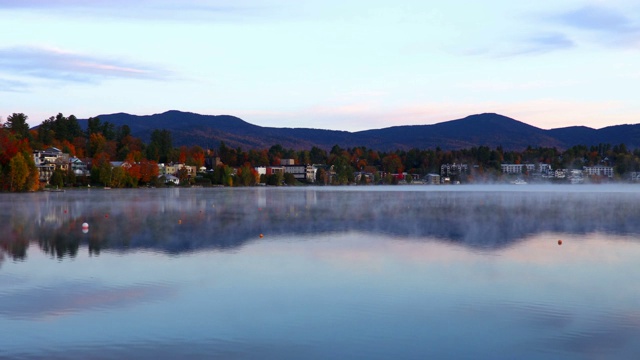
614, 27
8, 85
141, 9
541, 44
54, 64
532, 45
598, 19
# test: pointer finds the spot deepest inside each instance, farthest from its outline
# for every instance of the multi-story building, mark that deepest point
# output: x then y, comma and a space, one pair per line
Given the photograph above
298, 171
450, 170
598, 170
48, 160
518, 168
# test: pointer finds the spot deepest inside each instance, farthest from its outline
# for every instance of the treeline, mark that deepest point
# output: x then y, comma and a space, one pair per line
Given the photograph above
102, 142
97, 146
484, 161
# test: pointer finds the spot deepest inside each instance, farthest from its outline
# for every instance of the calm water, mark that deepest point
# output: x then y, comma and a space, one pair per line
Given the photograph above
411, 272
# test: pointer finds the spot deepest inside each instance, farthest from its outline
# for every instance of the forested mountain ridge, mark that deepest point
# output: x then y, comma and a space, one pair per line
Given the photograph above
487, 129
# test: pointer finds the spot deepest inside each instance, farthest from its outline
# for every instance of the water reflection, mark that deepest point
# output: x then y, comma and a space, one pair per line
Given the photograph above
184, 220
353, 295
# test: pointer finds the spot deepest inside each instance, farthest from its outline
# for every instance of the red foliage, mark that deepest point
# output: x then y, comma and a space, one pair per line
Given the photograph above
183, 155
10, 146
148, 170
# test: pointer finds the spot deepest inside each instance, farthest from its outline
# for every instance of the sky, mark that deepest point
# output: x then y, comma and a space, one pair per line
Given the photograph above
329, 64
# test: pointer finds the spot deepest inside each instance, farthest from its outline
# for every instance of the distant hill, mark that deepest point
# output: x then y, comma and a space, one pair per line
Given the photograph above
476, 130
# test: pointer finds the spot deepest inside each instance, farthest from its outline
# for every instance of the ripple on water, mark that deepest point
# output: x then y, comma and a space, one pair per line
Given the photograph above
71, 297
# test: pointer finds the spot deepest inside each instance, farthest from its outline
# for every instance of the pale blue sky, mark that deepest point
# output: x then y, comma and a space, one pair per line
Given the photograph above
333, 64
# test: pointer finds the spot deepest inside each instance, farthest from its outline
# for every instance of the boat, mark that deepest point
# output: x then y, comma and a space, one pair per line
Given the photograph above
519, 182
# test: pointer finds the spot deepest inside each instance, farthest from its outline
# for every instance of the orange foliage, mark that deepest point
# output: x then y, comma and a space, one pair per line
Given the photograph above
134, 170
134, 144
134, 156
100, 158
197, 156
183, 155
148, 170
80, 144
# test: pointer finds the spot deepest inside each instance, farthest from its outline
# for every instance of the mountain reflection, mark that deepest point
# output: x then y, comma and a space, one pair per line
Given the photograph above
183, 220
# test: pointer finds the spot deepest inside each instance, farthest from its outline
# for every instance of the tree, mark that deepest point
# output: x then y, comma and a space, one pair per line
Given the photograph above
57, 178
392, 164
18, 173
182, 158
161, 146
183, 175
118, 177
17, 123
222, 175
317, 156
97, 144
93, 126
45, 132
148, 171
247, 175
196, 156
275, 179
322, 177
64, 128
289, 179
71, 177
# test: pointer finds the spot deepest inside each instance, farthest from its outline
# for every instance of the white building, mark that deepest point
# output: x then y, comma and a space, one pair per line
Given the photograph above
517, 168
598, 170
298, 171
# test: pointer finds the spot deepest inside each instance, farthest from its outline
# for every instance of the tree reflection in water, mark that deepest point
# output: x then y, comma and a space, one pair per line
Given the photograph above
185, 220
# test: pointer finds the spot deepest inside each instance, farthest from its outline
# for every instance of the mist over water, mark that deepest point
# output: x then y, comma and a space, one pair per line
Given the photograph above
187, 220
322, 272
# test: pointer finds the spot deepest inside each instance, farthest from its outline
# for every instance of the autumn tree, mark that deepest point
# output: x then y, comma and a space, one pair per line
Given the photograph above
18, 173
392, 164
247, 175
148, 171
222, 175
196, 157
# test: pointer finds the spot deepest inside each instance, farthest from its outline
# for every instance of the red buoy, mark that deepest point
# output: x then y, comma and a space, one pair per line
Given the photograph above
559, 242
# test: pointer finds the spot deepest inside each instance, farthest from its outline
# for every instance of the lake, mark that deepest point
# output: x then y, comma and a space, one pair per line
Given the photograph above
374, 272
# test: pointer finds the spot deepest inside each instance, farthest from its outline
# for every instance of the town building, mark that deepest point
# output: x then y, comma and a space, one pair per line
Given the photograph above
518, 168
451, 170
48, 160
598, 170
432, 179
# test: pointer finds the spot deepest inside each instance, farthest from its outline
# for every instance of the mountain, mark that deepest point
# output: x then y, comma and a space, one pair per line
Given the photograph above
487, 129
484, 129
208, 130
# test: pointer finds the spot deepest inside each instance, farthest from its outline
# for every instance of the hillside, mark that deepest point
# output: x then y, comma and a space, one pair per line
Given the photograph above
487, 129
